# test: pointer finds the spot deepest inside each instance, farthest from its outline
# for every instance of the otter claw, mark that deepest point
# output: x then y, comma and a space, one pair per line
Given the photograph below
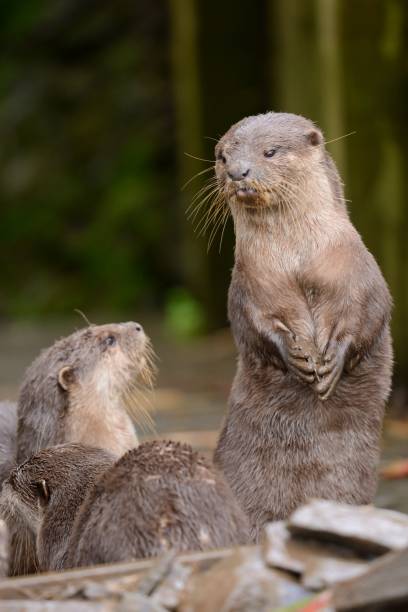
306, 378
327, 385
302, 364
325, 369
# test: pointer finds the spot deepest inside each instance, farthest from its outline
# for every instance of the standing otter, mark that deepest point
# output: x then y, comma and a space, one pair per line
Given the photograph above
310, 313
86, 509
81, 389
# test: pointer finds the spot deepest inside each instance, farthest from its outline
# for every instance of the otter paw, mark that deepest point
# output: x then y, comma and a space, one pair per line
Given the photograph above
332, 368
301, 364
328, 379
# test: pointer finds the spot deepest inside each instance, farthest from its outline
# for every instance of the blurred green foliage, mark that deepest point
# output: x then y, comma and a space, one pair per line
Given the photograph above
184, 315
85, 171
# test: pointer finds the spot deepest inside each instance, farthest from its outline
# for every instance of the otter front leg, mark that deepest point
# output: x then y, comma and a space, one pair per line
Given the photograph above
334, 362
294, 354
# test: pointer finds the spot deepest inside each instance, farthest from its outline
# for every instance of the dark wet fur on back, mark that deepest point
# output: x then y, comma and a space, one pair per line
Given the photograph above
161, 495
66, 472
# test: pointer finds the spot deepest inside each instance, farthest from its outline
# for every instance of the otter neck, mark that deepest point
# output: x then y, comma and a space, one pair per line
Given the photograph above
292, 232
101, 423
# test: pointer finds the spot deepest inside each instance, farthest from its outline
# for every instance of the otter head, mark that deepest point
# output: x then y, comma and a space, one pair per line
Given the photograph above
79, 389
45, 492
24, 494
265, 161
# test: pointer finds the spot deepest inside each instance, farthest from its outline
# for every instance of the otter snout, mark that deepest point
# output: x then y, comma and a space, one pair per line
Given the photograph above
134, 326
237, 172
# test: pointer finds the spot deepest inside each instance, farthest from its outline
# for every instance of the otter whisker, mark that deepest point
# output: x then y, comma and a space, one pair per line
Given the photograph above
210, 214
340, 137
209, 184
199, 158
205, 199
85, 318
226, 217
195, 176
211, 189
139, 407
217, 225
213, 217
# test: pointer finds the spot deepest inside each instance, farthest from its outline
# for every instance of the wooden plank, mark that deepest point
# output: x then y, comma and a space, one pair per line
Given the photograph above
58, 606
40, 586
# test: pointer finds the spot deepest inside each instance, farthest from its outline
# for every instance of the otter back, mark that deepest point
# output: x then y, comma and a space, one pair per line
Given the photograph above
159, 496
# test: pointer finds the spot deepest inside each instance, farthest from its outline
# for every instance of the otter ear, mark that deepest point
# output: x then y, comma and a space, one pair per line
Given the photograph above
43, 492
66, 377
314, 137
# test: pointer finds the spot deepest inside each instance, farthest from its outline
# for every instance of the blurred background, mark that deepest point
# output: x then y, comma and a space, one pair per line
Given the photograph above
100, 103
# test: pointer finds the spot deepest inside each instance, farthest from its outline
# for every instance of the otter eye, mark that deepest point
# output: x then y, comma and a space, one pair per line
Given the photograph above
269, 153
110, 340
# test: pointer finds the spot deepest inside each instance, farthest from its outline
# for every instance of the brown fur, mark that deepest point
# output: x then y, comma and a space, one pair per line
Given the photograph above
46, 491
90, 404
310, 313
86, 509
80, 390
161, 495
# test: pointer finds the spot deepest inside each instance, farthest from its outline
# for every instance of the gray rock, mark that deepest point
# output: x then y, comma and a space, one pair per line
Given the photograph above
366, 529
319, 565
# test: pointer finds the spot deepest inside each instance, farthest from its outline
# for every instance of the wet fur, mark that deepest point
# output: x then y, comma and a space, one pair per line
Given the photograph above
159, 496
300, 262
67, 471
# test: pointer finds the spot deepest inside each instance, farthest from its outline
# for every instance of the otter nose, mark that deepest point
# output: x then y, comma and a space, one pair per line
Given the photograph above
136, 326
238, 173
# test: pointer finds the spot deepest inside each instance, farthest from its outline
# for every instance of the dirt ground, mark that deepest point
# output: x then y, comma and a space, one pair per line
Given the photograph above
192, 388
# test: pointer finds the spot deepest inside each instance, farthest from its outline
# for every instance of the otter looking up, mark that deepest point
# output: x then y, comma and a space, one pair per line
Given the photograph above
309, 311
82, 389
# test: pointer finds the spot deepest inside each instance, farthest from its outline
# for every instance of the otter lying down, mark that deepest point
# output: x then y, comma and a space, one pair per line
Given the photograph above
86, 507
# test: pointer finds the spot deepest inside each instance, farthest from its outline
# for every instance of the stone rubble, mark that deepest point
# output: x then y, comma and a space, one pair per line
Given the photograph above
326, 557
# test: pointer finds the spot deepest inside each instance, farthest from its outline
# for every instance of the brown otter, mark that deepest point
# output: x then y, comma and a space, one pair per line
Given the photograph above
46, 491
81, 389
158, 496
310, 311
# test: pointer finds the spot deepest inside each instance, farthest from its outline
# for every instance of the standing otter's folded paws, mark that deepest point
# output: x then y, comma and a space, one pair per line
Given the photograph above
332, 367
298, 360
